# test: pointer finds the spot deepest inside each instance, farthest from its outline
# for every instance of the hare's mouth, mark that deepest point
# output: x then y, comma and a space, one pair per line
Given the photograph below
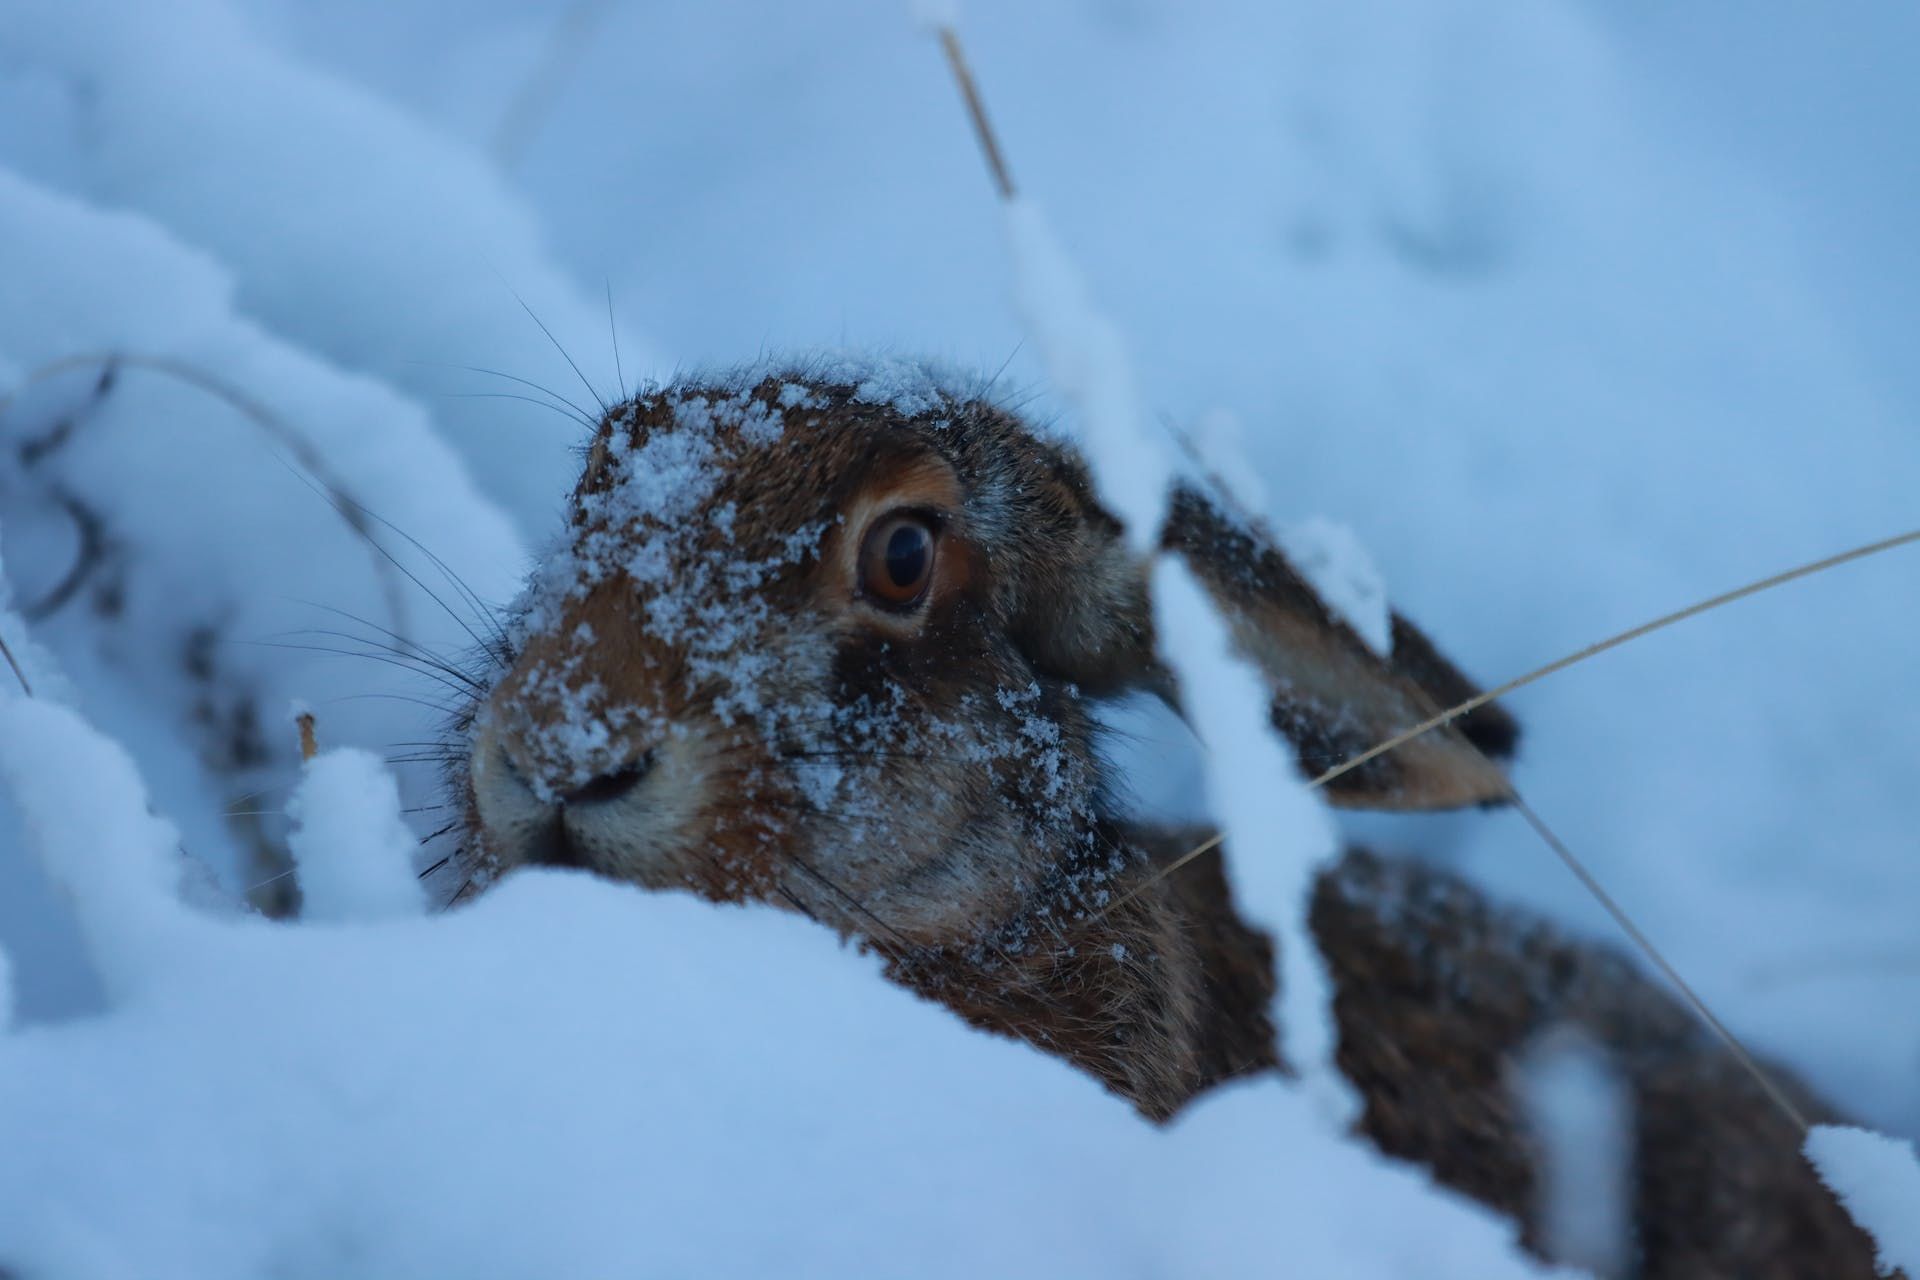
625, 822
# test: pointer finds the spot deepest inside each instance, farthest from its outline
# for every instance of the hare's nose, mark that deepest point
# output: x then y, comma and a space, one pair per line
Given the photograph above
609, 786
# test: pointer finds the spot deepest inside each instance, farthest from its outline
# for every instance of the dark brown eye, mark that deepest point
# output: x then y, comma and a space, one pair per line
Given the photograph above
896, 560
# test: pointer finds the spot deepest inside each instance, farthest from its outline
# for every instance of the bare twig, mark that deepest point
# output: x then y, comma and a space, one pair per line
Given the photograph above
18, 674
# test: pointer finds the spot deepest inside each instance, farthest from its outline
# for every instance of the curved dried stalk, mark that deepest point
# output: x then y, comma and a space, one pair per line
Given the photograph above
281, 432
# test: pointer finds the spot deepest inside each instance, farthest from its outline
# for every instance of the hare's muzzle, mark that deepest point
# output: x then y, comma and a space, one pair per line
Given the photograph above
630, 815
517, 823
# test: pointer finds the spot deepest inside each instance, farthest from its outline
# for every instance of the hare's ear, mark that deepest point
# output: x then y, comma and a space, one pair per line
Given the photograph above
1333, 696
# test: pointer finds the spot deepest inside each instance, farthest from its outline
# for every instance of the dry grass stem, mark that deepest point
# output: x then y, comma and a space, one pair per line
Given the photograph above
976, 111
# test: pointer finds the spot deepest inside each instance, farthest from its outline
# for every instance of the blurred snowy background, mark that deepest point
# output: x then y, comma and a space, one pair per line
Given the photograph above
1573, 310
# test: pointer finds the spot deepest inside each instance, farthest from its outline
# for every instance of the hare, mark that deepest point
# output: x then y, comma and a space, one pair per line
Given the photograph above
833, 637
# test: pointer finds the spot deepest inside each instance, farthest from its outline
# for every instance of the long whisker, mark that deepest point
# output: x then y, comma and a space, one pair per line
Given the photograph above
459, 584
354, 653
542, 388
402, 644
340, 504
597, 398
513, 395
444, 708
613, 331
786, 894
821, 877
421, 660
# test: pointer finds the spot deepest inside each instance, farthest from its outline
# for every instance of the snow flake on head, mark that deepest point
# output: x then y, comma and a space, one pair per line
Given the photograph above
912, 388
662, 512
648, 520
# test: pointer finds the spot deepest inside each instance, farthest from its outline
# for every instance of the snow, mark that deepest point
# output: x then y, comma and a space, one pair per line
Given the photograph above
82, 806
1484, 281
1878, 1179
384, 1098
1087, 363
1581, 1117
350, 227
439, 1143
935, 14
1331, 557
1278, 834
353, 853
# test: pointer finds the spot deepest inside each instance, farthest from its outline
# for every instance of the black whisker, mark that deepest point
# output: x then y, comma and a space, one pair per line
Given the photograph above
508, 395
848, 898
480, 607
443, 708
563, 352
458, 893
354, 653
424, 658
794, 902
613, 332
340, 503
542, 388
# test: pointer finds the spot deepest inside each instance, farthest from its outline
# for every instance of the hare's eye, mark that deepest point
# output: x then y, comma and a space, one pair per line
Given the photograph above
896, 560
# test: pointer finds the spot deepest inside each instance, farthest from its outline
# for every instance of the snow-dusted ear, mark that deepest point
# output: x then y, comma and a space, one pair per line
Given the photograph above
1334, 696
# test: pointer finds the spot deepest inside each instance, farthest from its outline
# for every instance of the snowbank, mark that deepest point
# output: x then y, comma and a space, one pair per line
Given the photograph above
1473, 294
571, 1078
194, 574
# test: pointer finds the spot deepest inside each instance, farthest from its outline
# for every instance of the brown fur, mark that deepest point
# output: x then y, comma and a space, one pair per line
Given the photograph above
703, 697
1437, 991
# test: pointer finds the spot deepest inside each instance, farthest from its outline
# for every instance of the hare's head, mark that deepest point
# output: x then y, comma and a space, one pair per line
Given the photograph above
833, 638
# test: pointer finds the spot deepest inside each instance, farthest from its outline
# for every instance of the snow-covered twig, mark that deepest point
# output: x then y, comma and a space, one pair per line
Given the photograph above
352, 850
1279, 836
275, 427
